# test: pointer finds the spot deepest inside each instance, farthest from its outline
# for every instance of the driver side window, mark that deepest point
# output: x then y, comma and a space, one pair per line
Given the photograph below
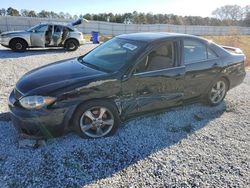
42, 28
162, 57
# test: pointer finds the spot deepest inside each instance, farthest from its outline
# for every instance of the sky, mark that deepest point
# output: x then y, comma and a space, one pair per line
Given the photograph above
178, 7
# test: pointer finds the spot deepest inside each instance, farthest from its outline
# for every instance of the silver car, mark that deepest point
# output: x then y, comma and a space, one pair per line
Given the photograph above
44, 35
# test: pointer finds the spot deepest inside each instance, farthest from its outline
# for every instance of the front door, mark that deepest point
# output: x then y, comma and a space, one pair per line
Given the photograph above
37, 37
156, 83
57, 35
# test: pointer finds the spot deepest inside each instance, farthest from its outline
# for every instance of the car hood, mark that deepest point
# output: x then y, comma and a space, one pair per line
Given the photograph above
55, 76
14, 32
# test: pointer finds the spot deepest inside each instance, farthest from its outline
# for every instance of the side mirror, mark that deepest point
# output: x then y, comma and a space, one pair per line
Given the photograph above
125, 77
134, 71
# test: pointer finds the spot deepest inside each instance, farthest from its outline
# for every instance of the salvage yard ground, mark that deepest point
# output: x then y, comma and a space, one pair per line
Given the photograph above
192, 146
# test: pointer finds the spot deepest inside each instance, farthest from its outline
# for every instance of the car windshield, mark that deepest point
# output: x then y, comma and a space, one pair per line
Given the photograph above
112, 55
32, 28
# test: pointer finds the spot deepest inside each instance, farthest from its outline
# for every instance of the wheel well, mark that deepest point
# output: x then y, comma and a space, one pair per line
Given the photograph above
227, 80
213, 82
72, 39
18, 38
90, 100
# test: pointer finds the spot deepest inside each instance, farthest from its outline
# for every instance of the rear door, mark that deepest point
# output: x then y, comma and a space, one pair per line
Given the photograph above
156, 82
202, 67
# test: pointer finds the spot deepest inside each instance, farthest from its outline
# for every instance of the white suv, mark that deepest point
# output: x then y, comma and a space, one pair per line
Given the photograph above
44, 35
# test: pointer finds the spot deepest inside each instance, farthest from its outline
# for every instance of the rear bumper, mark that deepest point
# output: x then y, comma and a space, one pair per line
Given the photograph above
236, 79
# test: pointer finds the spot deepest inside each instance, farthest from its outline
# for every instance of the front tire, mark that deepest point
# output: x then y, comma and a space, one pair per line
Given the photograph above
71, 45
96, 119
217, 92
18, 45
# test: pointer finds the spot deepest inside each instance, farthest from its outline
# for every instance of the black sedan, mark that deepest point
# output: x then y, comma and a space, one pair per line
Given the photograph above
126, 76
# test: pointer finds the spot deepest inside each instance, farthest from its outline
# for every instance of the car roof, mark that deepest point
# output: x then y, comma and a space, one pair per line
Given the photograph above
58, 23
54, 23
153, 36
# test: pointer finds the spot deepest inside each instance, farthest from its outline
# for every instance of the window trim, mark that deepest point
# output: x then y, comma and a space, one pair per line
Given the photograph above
197, 61
194, 61
208, 48
39, 27
154, 71
175, 58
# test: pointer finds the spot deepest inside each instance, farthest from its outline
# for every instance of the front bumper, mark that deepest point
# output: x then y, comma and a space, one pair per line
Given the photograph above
46, 123
4, 41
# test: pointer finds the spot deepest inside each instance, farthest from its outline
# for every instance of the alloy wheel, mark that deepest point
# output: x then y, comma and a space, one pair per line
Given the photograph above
18, 46
71, 46
218, 92
96, 122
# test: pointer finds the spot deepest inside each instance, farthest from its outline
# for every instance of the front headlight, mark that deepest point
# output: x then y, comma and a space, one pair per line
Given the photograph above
3, 35
36, 102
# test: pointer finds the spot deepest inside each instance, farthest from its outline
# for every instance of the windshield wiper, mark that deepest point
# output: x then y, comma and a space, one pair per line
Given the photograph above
92, 66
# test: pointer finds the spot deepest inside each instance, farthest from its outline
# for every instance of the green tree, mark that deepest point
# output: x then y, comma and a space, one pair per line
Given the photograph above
12, 12
68, 16
2, 12
150, 18
44, 14
112, 17
246, 21
52, 14
32, 13
24, 12
87, 16
229, 14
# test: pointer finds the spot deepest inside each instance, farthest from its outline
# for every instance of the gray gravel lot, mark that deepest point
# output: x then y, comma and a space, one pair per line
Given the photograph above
13, 65
190, 146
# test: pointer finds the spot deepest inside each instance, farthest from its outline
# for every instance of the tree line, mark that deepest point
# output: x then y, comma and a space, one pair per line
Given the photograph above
223, 16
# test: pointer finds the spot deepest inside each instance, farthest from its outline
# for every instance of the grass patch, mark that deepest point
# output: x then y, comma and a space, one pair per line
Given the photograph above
102, 38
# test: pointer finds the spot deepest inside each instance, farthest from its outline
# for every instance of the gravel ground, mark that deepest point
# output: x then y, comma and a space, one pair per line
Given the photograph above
13, 65
190, 146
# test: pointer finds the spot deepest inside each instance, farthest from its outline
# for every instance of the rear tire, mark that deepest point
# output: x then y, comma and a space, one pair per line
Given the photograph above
96, 119
18, 45
217, 92
71, 45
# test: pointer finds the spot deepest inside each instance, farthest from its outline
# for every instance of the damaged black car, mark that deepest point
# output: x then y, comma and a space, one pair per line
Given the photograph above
127, 76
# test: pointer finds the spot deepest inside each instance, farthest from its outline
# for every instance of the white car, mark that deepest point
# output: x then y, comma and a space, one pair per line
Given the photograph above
44, 35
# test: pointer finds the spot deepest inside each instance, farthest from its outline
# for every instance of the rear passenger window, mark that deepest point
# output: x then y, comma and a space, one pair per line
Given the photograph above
211, 54
58, 29
194, 51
